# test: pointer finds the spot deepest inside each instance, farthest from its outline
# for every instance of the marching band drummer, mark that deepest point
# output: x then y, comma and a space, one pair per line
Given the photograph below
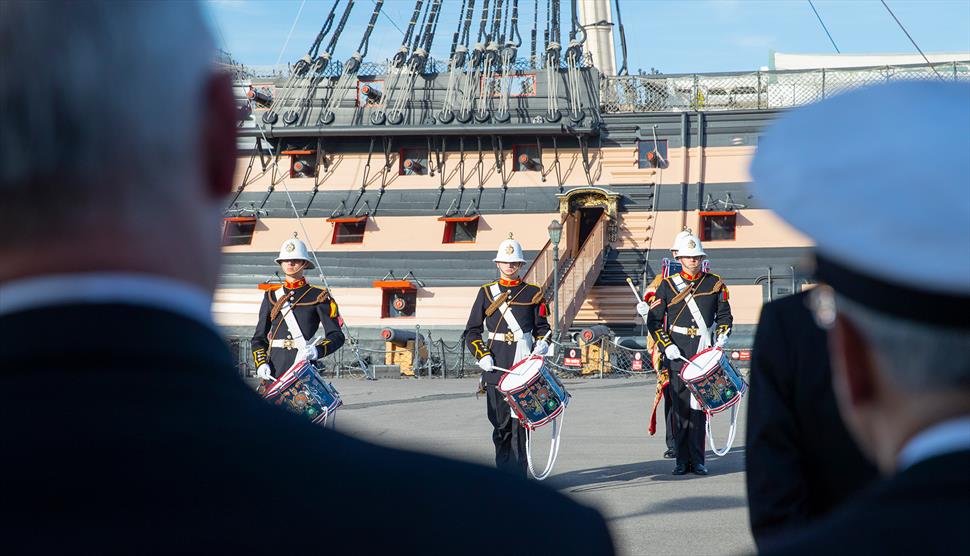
506, 324
656, 355
698, 315
290, 315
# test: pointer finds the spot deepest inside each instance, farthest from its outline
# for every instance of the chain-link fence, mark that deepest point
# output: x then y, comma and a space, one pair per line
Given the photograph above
755, 90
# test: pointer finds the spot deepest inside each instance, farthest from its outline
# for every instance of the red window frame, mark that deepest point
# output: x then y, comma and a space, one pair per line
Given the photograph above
709, 213
401, 287
237, 220
449, 232
337, 222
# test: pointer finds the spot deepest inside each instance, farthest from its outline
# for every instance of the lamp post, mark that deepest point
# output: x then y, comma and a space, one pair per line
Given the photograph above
555, 234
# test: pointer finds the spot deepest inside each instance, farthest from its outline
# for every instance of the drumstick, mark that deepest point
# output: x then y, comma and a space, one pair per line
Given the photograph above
691, 362
636, 294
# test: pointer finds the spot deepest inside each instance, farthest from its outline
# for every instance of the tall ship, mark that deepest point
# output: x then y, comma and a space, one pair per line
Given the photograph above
404, 175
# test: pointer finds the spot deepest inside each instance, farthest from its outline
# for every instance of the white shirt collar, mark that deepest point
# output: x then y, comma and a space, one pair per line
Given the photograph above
943, 438
116, 287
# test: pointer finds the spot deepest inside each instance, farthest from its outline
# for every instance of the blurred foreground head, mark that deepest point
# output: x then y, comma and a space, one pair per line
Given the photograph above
879, 178
117, 144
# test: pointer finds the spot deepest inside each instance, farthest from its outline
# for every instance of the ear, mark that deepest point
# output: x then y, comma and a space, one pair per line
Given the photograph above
852, 361
218, 146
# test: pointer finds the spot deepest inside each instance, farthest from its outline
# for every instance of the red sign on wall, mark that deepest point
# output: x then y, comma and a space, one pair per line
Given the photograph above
571, 359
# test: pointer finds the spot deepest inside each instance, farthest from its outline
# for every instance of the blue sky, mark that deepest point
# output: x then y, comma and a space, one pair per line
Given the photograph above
672, 36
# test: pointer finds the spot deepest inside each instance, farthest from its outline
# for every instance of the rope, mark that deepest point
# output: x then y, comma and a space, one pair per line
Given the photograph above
554, 444
340, 27
918, 49
731, 433
619, 24
290, 34
457, 34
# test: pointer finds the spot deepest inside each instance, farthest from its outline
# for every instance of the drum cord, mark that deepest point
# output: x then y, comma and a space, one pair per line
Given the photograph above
731, 433
553, 447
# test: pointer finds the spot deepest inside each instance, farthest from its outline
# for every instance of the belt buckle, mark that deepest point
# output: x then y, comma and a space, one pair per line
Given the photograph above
509, 337
692, 331
288, 344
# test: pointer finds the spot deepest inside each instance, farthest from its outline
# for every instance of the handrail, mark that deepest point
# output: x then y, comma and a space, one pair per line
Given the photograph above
581, 275
540, 271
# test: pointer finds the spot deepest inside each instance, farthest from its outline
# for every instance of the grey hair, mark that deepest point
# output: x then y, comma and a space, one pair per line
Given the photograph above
100, 109
914, 355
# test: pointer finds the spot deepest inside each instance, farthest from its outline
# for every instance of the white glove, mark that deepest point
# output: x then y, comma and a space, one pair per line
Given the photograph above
541, 347
308, 352
264, 372
486, 363
643, 309
721, 340
672, 352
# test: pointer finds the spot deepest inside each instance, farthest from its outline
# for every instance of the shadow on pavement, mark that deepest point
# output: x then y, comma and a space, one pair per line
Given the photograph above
604, 478
689, 504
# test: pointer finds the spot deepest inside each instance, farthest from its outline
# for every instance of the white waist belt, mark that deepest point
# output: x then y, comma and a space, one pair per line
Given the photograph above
288, 343
692, 331
504, 336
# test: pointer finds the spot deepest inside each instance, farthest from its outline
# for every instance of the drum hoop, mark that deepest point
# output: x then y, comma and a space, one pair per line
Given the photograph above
706, 374
506, 375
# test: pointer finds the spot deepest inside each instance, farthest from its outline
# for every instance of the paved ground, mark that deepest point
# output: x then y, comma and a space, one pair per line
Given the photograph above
607, 459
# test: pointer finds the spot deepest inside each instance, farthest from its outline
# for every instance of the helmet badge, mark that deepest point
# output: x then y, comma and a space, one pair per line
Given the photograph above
290, 247
691, 244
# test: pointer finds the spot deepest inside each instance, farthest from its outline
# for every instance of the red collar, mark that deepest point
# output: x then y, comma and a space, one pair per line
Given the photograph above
295, 285
690, 278
504, 282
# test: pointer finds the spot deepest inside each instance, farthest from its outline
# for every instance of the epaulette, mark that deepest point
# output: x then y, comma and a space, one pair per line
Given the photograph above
323, 295
718, 285
270, 287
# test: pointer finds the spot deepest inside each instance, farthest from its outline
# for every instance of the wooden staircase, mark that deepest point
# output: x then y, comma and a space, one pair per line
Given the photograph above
577, 275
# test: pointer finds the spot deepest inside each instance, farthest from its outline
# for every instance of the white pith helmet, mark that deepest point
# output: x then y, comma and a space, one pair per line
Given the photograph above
685, 233
509, 251
294, 250
690, 246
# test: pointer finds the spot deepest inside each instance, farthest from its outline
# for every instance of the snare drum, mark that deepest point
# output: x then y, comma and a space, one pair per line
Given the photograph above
302, 390
715, 384
534, 392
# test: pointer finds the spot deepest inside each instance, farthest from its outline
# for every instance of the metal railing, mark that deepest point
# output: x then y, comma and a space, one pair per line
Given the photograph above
760, 90
541, 270
579, 278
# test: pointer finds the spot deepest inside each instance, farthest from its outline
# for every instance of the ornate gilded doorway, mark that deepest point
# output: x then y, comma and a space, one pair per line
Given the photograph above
581, 209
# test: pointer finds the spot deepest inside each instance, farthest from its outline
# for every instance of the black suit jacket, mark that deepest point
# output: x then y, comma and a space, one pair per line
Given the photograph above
801, 462
924, 510
127, 430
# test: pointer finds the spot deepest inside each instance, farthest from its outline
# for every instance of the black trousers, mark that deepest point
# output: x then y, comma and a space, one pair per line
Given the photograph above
688, 424
507, 434
668, 419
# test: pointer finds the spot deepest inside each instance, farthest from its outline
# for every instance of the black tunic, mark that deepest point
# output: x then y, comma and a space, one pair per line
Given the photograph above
711, 296
526, 305
312, 307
